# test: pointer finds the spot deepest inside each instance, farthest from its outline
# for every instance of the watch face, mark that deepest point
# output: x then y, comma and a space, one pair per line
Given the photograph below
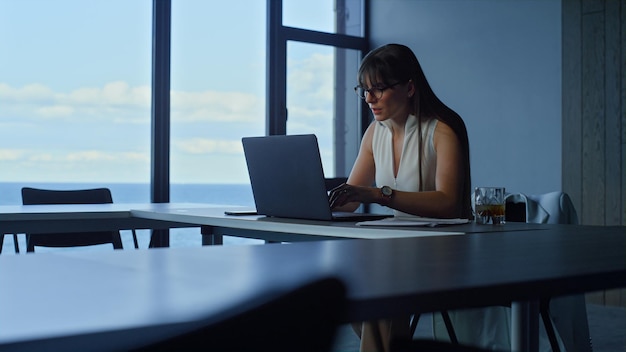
387, 191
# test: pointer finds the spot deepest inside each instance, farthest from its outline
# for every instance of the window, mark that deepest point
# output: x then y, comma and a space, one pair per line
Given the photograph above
75, 97
313, 15
321, 100
217, 89
330, 16
319, 73
217, 97
74, 94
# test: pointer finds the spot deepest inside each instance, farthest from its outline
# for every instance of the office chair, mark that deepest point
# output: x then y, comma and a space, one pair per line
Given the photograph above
305, 319
564, 318
15, 244
32, 196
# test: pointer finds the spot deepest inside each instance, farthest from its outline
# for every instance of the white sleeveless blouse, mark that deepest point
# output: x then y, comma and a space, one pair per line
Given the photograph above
408, 178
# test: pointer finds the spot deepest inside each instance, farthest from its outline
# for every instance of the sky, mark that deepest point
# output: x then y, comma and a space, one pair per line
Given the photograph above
75, 88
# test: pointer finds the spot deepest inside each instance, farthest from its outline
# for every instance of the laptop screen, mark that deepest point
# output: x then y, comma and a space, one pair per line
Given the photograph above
287, 177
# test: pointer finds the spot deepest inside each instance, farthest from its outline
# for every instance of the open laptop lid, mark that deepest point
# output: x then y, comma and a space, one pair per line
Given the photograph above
287, 177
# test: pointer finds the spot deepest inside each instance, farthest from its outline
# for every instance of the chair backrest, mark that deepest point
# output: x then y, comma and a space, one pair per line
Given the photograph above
515, 211
33, 196
546, 208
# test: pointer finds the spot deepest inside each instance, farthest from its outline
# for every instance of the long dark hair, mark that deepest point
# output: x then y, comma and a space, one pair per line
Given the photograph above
394, 63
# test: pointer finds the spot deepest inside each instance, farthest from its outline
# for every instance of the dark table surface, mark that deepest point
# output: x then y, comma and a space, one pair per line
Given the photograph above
107, 294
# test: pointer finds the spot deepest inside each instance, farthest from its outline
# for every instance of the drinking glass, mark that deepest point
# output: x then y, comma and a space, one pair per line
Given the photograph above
489, 205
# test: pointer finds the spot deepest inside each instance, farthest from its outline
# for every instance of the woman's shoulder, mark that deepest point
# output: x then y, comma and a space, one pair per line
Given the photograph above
442, 127
368, 136
443, 133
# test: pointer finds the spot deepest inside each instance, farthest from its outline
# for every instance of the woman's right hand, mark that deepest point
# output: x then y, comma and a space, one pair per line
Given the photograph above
345, 193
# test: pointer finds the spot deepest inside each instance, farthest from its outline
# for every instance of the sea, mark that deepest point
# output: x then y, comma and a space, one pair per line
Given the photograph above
222, 194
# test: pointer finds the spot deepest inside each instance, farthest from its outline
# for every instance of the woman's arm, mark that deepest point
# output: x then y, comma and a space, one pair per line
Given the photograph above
444, 202
363, 174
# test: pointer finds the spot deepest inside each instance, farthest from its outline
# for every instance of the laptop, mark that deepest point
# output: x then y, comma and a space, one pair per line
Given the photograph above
287, 179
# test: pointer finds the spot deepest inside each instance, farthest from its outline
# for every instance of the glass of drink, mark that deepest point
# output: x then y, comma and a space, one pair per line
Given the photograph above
489, 205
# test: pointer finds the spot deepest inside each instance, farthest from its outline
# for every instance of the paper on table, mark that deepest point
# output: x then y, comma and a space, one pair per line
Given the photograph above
412, 221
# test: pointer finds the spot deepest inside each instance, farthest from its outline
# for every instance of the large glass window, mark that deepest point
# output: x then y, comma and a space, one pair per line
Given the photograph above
217, 89
311, 96
217, 97
75, 91
313, 15
75, 96
321, 101
321, 71
330, 16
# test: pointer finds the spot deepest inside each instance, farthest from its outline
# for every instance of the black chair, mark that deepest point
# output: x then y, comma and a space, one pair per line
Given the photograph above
15, 243
305, 319
34, 196
516, 212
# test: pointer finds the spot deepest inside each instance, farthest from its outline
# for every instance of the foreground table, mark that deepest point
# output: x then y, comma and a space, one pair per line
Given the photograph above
145, 294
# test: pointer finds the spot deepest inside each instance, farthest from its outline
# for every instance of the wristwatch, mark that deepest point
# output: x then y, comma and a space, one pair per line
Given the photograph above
387, 193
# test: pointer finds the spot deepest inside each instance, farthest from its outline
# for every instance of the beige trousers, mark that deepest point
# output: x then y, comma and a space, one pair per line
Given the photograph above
376, 335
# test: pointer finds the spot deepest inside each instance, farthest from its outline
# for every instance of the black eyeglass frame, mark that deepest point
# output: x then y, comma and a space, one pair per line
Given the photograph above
377, 91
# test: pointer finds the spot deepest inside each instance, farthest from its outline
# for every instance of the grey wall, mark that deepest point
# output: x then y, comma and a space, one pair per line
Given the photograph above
498, 64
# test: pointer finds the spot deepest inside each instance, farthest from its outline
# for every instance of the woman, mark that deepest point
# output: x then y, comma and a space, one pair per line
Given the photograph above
415, 152
428, 171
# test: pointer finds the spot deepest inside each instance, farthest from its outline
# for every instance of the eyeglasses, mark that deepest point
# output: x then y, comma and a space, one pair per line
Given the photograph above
377, 92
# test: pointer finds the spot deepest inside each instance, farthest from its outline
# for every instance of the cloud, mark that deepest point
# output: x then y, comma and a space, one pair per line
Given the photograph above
311, 94
121, 103
105, 156
209, 146
89, 155
75, 166
135, 156
113, 94
218, 118
216, 106
29, 93
10, 154
313, 77
86, 103
55, 111
310, 88
39, 156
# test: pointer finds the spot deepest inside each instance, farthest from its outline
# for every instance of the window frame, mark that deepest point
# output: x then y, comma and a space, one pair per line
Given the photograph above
276, 71
276, 92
